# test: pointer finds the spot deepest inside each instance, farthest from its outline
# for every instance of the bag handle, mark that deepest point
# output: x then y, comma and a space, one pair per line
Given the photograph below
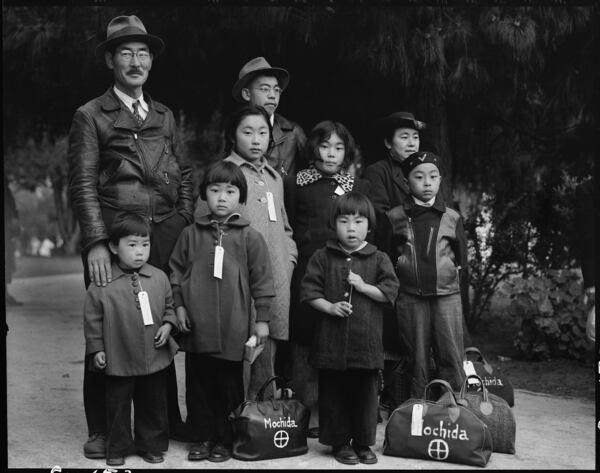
486, 365
463, 388
261, 392
446, 385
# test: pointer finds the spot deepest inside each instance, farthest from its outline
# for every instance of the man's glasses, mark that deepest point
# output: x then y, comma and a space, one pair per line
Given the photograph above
127, 55
265, 89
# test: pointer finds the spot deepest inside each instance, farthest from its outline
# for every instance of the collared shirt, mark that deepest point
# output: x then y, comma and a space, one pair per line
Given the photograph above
128, 101
429, 203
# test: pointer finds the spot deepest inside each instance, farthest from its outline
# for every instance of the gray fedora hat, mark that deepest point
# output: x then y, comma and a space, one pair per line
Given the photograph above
255, 67
122, 29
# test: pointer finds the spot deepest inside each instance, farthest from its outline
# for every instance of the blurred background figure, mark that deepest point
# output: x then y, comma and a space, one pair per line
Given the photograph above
11, 233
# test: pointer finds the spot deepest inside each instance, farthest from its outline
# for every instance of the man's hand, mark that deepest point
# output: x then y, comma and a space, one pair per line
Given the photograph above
100, 360
162, 335
261, 330
340, 309
183, 321
99, 264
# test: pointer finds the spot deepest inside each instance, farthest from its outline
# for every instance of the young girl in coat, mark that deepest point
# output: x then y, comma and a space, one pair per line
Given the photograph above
248, 135
309, 197
127, 327
349, 282
219, 265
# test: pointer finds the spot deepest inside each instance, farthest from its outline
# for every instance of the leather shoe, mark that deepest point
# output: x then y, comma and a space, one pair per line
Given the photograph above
152, 457
116, 461
219, 453
345, 454
95, 447
200, 451
313, 433
365, 454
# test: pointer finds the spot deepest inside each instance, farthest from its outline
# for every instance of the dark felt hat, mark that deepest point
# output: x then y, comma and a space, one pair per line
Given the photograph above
124, 29
256, 67
415, 159
401, 120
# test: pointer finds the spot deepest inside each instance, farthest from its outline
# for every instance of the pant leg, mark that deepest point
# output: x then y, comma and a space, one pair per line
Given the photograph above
200, 380
262, 369
364, 405
447, 323
119, 394
227, 395
94, 397
416, 312
335, 425
151, 426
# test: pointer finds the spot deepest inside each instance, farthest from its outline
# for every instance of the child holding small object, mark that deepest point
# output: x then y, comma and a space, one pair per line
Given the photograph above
220, 264
127, 327
349, 281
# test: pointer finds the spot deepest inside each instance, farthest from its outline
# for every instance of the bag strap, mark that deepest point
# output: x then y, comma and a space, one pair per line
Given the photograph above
486, 365
261, 392
446, 385
465, 385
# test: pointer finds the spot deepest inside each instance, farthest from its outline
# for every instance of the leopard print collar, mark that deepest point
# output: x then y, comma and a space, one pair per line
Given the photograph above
307, 176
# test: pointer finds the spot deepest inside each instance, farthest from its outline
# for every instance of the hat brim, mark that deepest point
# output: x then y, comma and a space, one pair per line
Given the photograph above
155, 44
283, 77
394, 123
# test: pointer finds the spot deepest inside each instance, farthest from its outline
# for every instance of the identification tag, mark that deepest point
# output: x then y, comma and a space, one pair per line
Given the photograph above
145, 306
339, 191
416, 422
271, 207
219, 253
469, 370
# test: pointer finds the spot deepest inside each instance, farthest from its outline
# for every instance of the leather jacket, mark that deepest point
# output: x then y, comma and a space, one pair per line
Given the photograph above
114, 164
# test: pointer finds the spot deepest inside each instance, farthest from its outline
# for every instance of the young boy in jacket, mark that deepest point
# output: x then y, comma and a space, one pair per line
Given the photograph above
432, 254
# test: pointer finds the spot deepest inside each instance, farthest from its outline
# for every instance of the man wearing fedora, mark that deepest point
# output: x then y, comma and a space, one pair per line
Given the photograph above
260, 84
124, 155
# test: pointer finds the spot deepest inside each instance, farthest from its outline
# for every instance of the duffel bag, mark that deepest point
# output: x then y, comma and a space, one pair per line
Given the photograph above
441, 431
271, 428
495, 382
494, 412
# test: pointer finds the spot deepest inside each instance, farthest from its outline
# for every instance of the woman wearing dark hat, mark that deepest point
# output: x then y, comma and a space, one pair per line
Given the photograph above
389, 190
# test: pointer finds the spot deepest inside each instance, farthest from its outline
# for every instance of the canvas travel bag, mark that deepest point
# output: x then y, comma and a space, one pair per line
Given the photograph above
494, 412
437, 430
494, 382
271, 428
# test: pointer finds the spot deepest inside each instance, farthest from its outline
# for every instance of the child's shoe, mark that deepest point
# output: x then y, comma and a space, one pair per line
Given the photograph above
365, 454
200, 451
152, 457
95, 447
345, 454
115, 461
219, 453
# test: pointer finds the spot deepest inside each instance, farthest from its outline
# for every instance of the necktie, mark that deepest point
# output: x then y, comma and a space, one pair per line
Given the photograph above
136, 113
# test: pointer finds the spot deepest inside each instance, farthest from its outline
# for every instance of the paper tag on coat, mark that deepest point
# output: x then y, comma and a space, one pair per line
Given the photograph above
339, 190
416, 422
145, 306
470, 370
271, 207
219, 253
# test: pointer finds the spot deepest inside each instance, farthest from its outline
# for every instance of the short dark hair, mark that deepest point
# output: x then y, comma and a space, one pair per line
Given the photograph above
225, 171
126, 224
235, 118
321, 132
352, 203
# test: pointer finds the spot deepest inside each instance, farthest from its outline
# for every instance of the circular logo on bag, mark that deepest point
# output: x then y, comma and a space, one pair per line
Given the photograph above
281, 438
438, 449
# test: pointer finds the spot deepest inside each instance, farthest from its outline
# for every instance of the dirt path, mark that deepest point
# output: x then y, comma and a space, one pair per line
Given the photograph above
46, 422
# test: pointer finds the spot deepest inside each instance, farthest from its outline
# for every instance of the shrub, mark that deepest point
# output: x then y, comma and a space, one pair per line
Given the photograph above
552, 315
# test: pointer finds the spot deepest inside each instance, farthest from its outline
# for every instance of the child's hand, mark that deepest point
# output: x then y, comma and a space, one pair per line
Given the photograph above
162, 335
183, 321
100, 360
340, 309
356, 281
261, 330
